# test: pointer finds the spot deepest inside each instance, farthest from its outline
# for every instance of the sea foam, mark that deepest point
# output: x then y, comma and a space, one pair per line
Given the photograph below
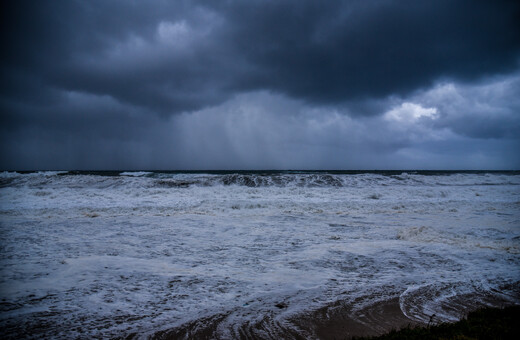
112, 254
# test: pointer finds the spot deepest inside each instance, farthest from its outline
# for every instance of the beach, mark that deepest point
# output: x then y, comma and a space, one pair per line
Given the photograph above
340, 320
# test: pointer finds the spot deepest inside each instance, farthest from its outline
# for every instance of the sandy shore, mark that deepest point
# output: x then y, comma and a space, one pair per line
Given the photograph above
339, 320
336, 321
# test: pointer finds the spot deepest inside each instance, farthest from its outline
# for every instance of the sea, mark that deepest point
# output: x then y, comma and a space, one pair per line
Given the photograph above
131, 254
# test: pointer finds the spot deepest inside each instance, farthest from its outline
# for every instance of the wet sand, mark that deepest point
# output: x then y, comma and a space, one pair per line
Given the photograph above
339, 320
336, 321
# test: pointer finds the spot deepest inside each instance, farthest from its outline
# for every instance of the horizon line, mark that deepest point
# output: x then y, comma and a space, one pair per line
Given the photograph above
257, 170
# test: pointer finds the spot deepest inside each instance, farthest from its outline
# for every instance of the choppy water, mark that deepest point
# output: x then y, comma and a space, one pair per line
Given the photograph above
112, 254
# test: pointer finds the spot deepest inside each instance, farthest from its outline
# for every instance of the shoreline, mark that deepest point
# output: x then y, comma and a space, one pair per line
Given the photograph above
485, 323
338, 320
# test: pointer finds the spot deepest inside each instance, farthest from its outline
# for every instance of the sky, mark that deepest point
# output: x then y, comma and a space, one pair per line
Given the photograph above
259, 84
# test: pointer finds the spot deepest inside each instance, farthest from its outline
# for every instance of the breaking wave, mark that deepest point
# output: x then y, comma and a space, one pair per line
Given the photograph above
262, 179
249, 254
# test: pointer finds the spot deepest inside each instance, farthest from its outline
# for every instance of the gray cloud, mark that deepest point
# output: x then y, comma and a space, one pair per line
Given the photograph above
487, 110
259, 84
340, 50
183, 56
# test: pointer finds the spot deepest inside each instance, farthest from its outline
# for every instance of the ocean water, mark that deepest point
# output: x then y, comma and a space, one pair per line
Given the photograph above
113, 254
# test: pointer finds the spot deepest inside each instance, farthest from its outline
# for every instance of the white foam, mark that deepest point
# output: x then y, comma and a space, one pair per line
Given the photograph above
9, 174
136, 173
112, 255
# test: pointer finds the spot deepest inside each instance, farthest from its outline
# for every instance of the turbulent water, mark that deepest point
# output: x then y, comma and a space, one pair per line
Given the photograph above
133, 253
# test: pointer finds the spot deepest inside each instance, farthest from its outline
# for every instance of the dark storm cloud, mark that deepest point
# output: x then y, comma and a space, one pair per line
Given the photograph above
338, 50
144, 84
324, 52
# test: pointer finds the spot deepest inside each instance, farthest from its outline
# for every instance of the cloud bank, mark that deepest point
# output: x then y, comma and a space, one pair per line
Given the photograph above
260, 84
